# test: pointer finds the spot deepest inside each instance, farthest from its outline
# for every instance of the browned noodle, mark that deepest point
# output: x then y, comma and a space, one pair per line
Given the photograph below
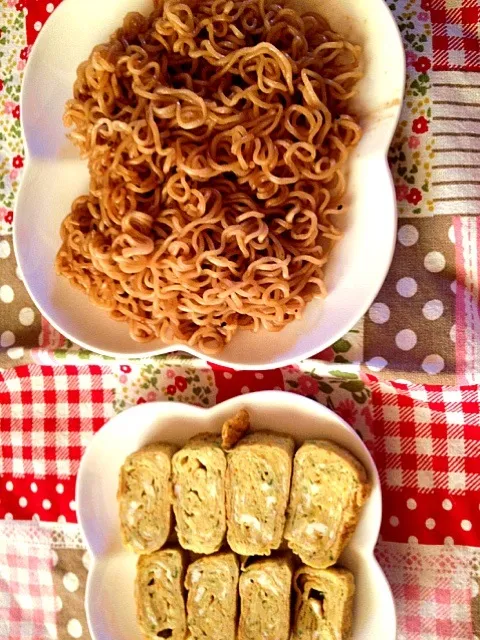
217, 134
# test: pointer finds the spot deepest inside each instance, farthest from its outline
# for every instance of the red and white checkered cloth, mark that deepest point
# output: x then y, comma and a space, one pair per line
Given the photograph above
430, 612
47, 417
427, 448
27, 598
435, 589
456, 31
70, 403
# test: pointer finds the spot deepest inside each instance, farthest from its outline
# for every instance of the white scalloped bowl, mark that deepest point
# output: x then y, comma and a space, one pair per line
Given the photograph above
109, 594
54, 175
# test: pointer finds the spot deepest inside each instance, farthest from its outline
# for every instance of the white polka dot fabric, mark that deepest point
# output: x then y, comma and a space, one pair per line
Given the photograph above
410, 328
20, 321
69, 578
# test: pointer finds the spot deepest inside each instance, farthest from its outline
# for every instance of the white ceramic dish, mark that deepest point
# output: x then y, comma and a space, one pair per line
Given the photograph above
109, 593
55, 175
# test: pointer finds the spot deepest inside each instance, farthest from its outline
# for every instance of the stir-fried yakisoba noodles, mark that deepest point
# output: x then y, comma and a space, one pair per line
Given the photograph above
217, 133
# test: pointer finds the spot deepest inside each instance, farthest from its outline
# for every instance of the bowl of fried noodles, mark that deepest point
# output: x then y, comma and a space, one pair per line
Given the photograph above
209, 176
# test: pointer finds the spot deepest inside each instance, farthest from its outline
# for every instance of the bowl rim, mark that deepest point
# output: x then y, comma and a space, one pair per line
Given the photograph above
272, 363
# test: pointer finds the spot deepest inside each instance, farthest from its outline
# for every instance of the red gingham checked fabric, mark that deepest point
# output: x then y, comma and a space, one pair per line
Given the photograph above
47, 416
27, 599
435, 612
433, 587
456, 32
431, 613
431, 429
427, 450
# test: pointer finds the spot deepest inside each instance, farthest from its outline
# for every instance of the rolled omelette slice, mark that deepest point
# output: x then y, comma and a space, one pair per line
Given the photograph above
199, 494
265, 588
329, 488
257, 485
145, 498
159, 595
323, 604
212, 583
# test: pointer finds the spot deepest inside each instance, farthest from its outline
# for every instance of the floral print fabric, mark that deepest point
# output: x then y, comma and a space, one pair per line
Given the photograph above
13, 56
411, 153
